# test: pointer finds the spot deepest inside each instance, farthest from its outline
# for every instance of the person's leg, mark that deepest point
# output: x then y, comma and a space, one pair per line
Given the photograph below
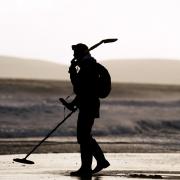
97, 151
99, 156
86, 156
84, 126
86, 161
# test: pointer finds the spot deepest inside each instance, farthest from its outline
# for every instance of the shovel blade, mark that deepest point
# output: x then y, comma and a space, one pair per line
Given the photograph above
110, 40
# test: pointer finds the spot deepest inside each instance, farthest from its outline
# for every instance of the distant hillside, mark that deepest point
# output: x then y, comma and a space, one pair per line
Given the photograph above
145, 71
16, 68
124, 71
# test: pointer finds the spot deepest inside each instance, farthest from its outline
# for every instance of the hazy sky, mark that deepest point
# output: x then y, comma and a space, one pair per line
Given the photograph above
46, 29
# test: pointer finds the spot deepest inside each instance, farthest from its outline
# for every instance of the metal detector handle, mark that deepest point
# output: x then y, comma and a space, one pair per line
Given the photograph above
67, 105
50, 133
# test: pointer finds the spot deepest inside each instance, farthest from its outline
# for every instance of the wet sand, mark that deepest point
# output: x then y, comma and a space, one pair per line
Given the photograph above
111, 144
123, 166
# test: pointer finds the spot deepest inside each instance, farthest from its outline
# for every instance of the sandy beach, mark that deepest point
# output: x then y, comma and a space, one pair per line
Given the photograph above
123, 166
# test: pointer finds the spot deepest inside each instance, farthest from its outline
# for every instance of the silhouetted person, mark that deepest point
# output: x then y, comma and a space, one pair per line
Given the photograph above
85, 85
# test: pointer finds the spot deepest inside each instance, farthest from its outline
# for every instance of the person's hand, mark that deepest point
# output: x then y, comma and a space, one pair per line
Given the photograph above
72, 68
69, 106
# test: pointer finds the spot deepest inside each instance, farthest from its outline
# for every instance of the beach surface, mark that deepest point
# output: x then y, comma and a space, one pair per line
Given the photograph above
57, 166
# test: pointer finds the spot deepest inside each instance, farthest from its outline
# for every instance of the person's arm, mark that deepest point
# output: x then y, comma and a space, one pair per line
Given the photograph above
74, 76
73, 73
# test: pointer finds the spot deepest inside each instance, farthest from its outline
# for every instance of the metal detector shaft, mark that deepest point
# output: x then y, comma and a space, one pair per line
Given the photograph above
49, 134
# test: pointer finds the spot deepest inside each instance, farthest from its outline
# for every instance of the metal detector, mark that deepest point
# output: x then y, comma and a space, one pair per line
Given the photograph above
24, 160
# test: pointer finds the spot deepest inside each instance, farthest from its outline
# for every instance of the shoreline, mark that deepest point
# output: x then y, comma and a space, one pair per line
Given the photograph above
69, 145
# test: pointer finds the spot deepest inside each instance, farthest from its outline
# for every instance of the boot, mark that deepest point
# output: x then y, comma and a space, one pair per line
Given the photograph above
100, 166
86, 161
99, 156
82, 173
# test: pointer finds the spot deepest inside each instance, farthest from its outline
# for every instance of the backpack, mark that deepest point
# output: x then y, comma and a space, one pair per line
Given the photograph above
104, 81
